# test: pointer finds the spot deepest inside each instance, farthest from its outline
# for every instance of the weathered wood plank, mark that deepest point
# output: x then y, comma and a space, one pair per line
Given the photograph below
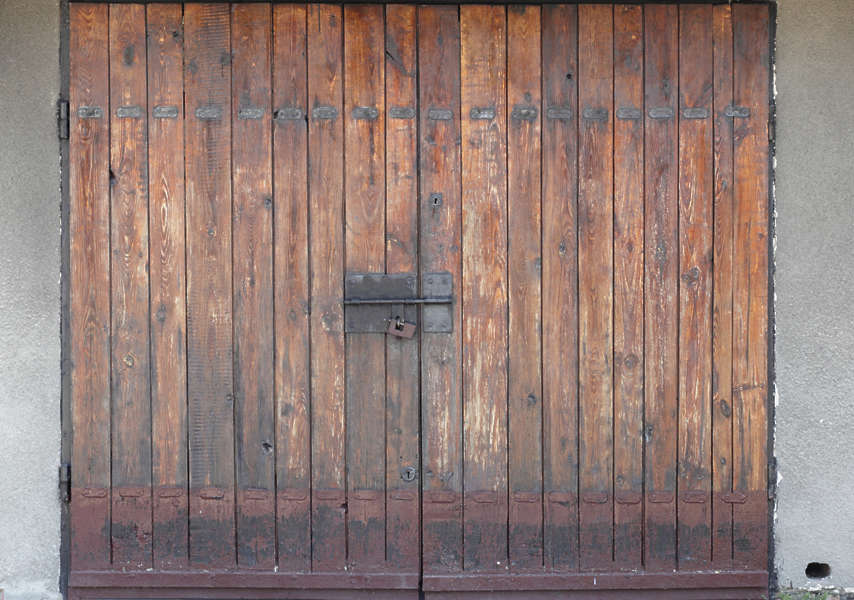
628, 286
89, 292
441, 405
696, 75
484, 285
290, 230
129, 323
525, 426
326, 234
595, 281
750, 286
661, 262
722, 293
252, 222
364, 243
207, 80
401, 254
168, 305
560, 286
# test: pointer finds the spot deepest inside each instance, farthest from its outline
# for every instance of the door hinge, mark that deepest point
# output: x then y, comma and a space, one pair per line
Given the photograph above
62, 125
65, 482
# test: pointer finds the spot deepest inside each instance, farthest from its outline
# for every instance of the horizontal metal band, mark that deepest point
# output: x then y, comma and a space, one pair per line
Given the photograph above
324, 112
165, 111
90, 112
401, 112
737, 111
660, 112
209, 113
289, 113
595, 114
440, 114
559, 113
695, 113
629, 113
250, 112
524, 112
365, 113
482, 113
133, 111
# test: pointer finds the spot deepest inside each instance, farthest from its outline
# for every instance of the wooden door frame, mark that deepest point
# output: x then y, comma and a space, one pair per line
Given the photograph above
578, 579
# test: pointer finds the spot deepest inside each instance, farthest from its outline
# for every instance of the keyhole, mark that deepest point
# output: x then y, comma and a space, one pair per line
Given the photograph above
435, 200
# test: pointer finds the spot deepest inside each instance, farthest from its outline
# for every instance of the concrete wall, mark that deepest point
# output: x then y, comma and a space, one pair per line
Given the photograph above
29, 299
815, 284
815, 289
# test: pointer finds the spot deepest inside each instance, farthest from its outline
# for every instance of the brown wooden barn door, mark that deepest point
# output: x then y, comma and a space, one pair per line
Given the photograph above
382, 300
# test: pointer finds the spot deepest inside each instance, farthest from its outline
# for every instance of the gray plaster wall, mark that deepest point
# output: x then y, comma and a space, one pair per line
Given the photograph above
29, 300
815, 290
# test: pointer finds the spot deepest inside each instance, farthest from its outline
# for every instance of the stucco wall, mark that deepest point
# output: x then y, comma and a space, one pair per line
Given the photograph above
815, 289
29, 299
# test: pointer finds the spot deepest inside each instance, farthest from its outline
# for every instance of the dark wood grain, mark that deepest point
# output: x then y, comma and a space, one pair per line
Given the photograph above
326, 234
290, 231
401, 255
750, 286
696, 74
129, 323
168, 305
661, 262
207, 81
628, 287
484, 286
441, 403
364, 242
252, 218
722, 293
560, 287
595, 283
525, 426
89, 291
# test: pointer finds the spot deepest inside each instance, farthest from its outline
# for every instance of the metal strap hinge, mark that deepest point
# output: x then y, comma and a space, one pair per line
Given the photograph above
65, 482
62, 124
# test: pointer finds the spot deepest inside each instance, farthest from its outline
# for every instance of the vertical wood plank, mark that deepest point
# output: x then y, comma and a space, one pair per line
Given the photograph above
252, 223
129, 372
207, 80
401, 255
290, 207
628, 286
89, 315
750, 286
560, 286
364, 190
722, 293
168, 306
441, 405
484, 284
525, 425
595, 281
695, 284
660, 284
326, 209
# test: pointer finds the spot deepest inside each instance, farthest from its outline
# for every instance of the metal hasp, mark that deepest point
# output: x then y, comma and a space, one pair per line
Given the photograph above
374, 300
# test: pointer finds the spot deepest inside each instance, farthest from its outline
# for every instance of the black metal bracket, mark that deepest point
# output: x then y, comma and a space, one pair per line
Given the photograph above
372, 299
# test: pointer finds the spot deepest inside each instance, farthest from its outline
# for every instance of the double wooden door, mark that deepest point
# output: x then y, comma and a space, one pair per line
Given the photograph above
258, 191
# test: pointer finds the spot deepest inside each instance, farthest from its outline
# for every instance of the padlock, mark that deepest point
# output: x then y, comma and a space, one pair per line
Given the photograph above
400, 328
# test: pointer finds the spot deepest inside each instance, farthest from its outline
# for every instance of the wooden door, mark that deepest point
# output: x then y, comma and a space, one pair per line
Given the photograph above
587, 412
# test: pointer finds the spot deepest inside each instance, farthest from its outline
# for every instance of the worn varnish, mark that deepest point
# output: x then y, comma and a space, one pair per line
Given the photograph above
168, 292
593, 177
